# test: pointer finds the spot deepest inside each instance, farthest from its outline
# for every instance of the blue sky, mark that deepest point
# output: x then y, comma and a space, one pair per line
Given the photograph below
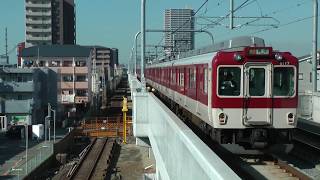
113, 23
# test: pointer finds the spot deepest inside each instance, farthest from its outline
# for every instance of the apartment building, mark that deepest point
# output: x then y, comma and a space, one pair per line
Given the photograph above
179, 20
104, 61
72, 64
50, 22
24, 95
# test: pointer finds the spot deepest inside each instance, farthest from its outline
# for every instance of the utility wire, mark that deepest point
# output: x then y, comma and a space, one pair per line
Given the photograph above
244, 4
286, 24
299, 4
11, 51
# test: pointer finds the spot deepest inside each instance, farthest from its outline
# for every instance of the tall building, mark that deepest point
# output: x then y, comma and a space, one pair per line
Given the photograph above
50, 22
180, 20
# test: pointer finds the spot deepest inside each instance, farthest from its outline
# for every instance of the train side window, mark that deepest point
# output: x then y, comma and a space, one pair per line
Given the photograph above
181, 78
192, 78
173, 76
229, 81
205, 80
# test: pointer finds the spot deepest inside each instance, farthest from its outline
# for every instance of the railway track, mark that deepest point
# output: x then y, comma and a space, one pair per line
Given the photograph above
271, 167
94, 160
307, 138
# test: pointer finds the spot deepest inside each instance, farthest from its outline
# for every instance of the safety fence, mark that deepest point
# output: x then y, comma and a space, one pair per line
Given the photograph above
106, 127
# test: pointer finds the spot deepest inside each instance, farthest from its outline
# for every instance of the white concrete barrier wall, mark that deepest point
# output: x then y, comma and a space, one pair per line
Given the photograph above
179, 153
309, 106
316, 108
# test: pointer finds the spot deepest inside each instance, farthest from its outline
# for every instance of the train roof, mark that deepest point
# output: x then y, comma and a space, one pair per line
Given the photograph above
199, 59
206, 54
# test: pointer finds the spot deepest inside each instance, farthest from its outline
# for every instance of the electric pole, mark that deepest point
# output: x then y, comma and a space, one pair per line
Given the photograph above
6, 46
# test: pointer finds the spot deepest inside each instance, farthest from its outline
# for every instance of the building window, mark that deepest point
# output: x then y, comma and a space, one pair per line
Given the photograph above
81, 92
67, 92
67, 63
55, 63
81, 78
80, 63
67, 78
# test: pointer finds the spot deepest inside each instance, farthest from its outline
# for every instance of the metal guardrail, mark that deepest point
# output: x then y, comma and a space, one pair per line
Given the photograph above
37, 156
179, 153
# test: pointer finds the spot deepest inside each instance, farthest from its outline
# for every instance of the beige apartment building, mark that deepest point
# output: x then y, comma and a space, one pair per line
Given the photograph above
72, 64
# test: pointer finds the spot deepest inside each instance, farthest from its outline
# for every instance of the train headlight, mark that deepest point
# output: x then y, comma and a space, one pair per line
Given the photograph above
237, 57
278, 57
222, 118
291, 118
153, 89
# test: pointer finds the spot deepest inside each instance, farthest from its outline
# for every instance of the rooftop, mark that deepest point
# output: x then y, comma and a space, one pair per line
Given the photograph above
16, 70
56, 51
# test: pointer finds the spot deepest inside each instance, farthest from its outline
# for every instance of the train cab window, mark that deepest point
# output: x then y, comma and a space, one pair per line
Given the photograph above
205, 79
283, 81
257, 82
229, 81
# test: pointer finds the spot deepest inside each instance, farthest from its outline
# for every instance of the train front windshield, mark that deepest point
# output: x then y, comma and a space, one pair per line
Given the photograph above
283, 81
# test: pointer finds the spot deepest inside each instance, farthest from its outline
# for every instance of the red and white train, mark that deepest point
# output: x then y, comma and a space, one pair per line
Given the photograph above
240, 93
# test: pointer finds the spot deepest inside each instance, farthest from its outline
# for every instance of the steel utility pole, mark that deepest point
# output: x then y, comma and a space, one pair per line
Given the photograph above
143, 42
231, 14
314, 42
6, 46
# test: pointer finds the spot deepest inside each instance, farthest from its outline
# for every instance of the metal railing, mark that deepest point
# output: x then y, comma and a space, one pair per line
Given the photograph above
36, 157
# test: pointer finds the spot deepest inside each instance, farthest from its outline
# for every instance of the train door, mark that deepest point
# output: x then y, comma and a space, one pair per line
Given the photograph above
257, 102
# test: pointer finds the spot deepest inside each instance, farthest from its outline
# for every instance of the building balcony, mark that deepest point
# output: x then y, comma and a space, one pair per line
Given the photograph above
77, 85
81, 99
43, 38
38, 5
81, 70
82, 85
66, 85
77, 70
104, 56
33, 13
37, 22
38, 30
7, 87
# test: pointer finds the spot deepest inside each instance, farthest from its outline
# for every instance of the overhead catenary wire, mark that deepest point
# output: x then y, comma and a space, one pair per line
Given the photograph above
242, 5
286, 24
281, 10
